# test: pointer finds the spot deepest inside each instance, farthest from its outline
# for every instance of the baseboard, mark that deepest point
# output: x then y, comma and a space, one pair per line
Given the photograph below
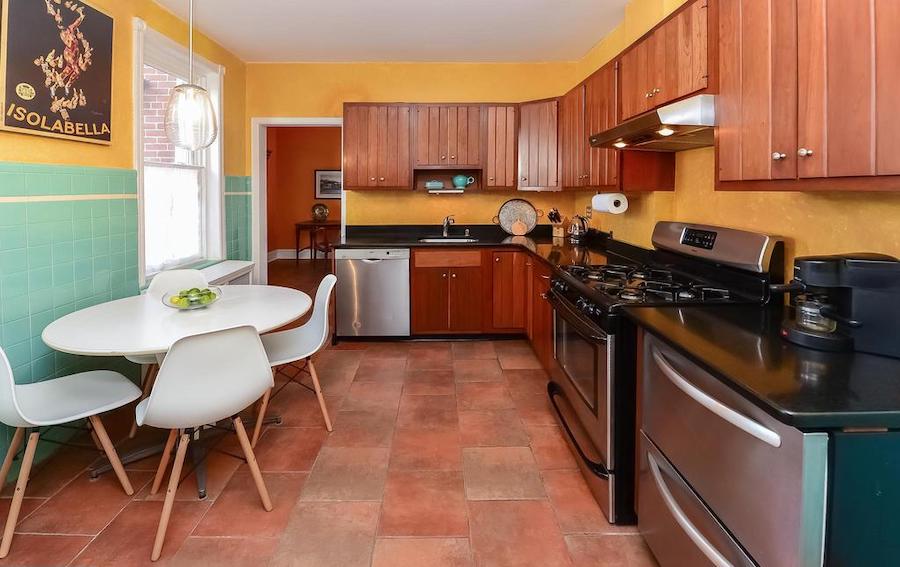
289, 254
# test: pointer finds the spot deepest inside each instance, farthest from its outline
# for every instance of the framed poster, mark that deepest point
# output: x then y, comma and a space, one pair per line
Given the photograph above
328, 184
56, 69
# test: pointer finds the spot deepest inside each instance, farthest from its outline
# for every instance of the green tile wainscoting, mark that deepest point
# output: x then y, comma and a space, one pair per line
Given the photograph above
238, 218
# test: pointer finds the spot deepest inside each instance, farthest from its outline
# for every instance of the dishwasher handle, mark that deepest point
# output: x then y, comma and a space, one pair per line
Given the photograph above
370, 255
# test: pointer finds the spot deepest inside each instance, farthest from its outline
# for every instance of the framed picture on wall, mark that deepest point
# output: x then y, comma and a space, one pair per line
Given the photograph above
56, 65
328, 184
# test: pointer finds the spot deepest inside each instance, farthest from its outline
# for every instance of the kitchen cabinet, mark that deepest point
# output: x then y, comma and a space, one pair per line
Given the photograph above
540, 313
377, 146
806, 95
500, 168
509, 289
670, 62
448, 136
573, 138
539, 146
588, 108
446, 291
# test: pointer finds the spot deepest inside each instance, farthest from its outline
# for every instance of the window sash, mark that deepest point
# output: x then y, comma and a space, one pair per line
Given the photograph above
158, 246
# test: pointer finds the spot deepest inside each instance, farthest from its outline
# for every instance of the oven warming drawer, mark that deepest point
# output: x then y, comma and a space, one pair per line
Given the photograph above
765, 481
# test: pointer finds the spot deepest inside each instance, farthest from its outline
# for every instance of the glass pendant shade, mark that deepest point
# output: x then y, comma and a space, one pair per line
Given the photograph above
191, 118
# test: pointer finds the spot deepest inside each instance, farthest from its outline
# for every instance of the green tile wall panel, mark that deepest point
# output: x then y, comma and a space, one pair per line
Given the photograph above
27, 179
238, 220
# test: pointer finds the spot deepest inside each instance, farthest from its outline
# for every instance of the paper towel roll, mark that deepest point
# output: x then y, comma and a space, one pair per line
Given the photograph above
615, 203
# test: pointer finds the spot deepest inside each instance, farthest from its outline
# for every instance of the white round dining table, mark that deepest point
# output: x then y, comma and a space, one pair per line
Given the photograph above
143, 325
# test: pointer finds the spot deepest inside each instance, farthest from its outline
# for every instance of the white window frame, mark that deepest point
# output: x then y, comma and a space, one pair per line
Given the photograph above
157, 50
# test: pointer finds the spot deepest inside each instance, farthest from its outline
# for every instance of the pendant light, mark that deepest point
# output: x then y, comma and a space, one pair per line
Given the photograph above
190, 116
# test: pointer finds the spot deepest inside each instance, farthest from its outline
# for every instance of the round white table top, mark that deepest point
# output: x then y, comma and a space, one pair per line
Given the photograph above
143, 325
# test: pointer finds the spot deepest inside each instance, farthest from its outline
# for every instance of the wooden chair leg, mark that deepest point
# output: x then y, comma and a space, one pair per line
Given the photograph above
164, 462
111, 454
260, 417
16, 505
11, 454
170, 496
149, 379
318, 388
251, 462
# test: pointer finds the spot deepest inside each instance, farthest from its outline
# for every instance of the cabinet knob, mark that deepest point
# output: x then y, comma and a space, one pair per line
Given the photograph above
524, 179
443, 275
453, 276
452, 157
443, 157
655, 91
381, 179
778, 156
490, 178
804, 152
497, 260
648, 94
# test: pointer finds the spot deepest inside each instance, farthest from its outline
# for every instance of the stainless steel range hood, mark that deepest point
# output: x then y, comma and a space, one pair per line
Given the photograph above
682, 125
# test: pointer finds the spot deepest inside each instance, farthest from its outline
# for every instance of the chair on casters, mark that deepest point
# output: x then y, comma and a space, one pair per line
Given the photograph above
28, 407
161, 284
204, 379
297, 344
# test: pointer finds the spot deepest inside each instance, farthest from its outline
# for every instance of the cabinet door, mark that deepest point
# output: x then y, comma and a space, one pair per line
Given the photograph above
500, 170
448, 135
430, 296
539, 146
509, 289
542, 316
632, 73
600, 114
392, 146
757, 102
356, 146
429, 149
687, 49
466, 293
573, 138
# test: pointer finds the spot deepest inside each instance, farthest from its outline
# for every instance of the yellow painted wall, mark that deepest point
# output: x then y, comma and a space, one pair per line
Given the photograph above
36, 149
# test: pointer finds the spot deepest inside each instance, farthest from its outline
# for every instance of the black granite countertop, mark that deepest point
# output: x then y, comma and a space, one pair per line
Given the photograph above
805, 388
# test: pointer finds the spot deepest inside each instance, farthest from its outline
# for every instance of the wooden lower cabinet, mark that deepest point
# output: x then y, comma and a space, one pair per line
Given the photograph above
509, 289
446, 292
466, 300
430, 296
541, 314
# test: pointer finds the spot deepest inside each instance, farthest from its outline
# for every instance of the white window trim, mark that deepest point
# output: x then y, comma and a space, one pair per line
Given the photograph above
154, 48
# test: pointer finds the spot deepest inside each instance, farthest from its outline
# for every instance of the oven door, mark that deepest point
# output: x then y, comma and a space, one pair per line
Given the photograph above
583, 352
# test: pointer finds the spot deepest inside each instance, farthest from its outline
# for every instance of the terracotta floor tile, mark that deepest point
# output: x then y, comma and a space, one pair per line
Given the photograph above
483, 396
610, 551
362, 429
428, 412
84, 506
426, 449
422, 552
550, 448
501, 473
51, 475
516, 534
219, 470
576, 510
381, 370
219, 551
523, 383
386, 350
429, 383
298, 407
146, 437
289, 449
501, 428
29, 505
128, 540
328, 361
469, 350
429, 356
239, 512
372, 396
477, 371
535, 410
519, 361
31, 550
424, 503
328, 533
514, 346
347, 474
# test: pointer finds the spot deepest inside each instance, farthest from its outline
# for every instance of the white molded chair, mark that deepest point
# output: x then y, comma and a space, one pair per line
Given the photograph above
204, 379
298, 344
161, 284
55, 402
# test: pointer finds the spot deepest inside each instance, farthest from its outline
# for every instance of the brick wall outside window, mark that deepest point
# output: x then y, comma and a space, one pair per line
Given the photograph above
157, 87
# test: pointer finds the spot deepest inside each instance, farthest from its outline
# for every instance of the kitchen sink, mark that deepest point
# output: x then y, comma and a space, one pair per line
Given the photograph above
448, 240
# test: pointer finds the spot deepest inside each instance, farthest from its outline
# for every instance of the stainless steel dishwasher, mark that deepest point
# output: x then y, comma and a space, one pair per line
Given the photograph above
372, 296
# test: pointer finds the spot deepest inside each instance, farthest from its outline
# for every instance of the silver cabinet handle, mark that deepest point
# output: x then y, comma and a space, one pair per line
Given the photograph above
804, 152
776, 156
736, 419
690, 529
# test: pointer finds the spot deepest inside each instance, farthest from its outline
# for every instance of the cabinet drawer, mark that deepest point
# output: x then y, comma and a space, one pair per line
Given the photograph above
447, 258
764, 480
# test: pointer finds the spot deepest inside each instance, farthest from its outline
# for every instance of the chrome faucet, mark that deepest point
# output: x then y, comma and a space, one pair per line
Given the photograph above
448, 220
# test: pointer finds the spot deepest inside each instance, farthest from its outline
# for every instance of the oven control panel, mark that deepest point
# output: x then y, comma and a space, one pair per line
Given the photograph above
697, 238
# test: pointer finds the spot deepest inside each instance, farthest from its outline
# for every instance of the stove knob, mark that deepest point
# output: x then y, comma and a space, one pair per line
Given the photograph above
581, 303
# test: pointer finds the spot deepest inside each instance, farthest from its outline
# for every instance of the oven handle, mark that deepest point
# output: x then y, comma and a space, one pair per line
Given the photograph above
553, 389
575, 319
736, 419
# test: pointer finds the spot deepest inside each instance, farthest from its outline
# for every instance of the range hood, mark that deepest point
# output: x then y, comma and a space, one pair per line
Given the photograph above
682, 125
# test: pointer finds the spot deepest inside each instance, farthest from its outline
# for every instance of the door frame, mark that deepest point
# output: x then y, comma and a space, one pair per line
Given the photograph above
258, 149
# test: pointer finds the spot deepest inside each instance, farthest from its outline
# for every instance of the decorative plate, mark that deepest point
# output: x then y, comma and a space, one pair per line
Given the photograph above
516, 212
320, 211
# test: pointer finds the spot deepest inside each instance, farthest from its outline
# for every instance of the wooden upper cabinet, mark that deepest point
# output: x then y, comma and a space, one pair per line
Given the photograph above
448, 136
376, 146
669, 63
573, 138
600, 106
539, 146
500, 169
757, 102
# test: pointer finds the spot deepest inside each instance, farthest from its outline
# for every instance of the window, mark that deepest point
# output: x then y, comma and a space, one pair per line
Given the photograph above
180, 198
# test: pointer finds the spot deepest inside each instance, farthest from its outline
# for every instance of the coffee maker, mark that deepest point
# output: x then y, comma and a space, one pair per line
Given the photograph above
845, 302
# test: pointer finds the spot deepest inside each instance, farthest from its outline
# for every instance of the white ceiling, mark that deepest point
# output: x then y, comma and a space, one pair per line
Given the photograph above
404, 30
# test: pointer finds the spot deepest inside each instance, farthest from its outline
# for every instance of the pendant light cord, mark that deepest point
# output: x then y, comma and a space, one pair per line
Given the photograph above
191, 44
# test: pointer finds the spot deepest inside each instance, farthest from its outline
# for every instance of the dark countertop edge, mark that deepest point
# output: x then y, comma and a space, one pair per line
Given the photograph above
804, 421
